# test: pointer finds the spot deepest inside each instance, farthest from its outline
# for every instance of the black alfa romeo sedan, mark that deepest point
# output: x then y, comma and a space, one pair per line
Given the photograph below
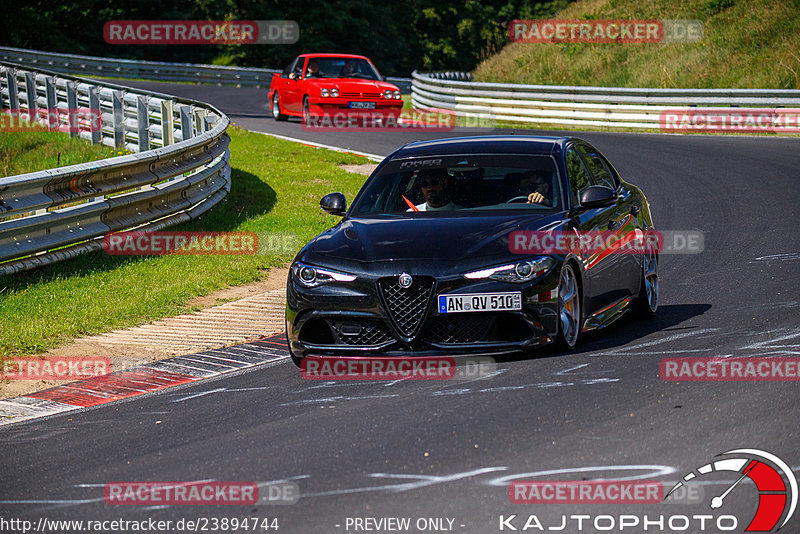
475, 245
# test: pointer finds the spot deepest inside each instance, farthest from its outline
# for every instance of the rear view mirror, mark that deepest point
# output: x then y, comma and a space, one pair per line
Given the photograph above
334, 204
598, 196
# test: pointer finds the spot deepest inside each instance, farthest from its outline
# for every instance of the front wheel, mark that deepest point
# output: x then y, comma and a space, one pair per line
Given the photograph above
276, 108
648, 291
306, 111
569, 309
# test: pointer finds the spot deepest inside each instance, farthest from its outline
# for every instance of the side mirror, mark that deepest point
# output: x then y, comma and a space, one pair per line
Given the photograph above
598, 196
334, 204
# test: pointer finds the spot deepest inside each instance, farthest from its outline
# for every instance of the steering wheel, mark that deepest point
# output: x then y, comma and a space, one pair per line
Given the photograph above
515, 200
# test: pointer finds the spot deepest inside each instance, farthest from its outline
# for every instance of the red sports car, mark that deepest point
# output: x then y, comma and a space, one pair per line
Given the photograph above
315, 85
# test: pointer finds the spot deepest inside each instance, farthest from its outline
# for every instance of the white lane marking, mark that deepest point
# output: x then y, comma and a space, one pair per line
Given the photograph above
373, 157
789, 256
673, 337
565, 371
200, 394
650, 472
769, 343
334, 399
421, 482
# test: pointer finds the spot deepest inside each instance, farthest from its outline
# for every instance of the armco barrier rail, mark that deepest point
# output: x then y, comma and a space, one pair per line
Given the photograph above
581, 106
179, 171
151, 70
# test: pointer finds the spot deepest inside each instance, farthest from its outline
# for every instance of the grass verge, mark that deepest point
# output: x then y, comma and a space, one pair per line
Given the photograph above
276, 187
31, 151
746, 44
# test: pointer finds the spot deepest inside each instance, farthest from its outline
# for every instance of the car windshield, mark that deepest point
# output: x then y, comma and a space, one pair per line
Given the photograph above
462, 183
341, 67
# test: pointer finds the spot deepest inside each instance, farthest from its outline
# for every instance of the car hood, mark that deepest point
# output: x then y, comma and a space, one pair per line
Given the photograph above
354, 84
426, 238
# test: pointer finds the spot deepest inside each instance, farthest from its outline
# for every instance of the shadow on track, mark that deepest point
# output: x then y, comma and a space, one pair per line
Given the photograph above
623, 332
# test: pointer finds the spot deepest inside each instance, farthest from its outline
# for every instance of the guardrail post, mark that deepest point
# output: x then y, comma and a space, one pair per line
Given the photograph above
167, 133
143, 126
186, 122
72, 109
95, 116
118, 119
199, 121
50, 95
11, 82
30, 92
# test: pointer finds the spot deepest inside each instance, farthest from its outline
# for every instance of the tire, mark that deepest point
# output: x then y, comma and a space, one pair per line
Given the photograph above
276, 108
647, 301
569, 309
306, 111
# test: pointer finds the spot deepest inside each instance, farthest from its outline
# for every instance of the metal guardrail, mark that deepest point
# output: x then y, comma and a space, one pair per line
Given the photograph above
151, 70
582, 106
179, 171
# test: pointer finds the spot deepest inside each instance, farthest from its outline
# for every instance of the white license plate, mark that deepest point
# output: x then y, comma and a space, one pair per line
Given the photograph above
477, 302
362, 105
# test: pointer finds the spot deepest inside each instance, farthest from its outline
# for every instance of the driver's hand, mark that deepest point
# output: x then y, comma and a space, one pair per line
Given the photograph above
536, 198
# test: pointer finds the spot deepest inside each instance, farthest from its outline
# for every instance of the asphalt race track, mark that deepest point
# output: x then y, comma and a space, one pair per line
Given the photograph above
448, 449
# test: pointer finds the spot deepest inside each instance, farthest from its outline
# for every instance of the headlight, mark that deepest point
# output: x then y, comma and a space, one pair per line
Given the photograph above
311, 276
387, 94
323, 92
334, 92
397, 95
522, 271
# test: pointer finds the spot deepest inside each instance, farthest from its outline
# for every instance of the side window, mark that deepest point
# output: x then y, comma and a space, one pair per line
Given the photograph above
288, 70
576, 172
600, 172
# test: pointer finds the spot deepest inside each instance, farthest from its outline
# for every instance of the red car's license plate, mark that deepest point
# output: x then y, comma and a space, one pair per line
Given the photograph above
362, 105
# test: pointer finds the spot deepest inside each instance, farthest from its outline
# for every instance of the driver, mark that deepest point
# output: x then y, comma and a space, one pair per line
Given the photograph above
436, 185
313, 69
536, 186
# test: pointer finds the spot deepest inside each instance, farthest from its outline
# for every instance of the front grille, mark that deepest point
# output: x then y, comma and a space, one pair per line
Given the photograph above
362, 333
465, 329
406, 306
361, 95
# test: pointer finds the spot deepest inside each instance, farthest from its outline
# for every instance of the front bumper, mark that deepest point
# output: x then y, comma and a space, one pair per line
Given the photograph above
359, 319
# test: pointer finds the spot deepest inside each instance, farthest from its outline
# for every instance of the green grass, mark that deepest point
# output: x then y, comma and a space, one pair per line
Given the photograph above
276, 187
746, 44
22, 152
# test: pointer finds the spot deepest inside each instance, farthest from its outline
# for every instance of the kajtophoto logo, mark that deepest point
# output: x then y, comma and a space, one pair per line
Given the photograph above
769, 473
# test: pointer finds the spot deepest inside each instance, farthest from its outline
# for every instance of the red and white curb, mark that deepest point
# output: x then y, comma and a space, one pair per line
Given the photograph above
147, 378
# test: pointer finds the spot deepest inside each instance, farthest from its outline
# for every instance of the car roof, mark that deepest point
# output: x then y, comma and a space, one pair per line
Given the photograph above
485, 144
351, 56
